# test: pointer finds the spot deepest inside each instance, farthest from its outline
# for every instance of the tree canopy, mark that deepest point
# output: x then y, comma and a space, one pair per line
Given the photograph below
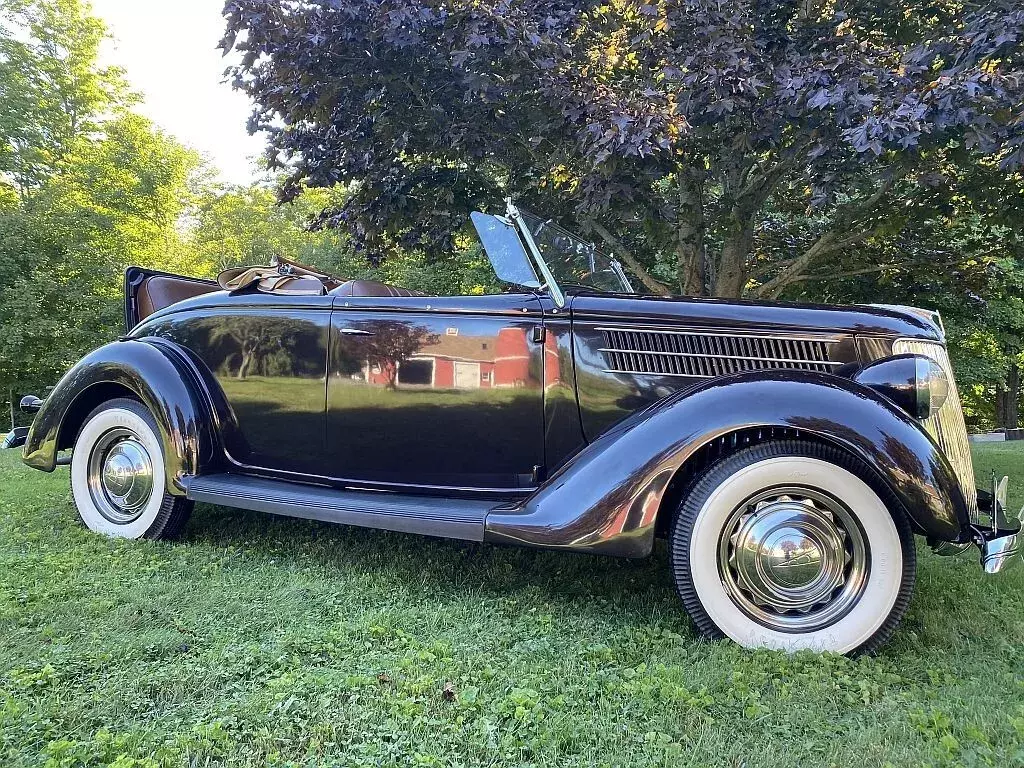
675, 129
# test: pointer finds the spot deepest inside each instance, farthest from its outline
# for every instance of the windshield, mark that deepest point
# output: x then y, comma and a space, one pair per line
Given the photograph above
573, 260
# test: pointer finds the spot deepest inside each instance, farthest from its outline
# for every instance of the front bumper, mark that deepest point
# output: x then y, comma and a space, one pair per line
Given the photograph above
1002, 544
1001, 541
1000, 552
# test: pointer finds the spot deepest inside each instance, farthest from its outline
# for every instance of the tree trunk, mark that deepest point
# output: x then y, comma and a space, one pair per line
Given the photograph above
691, 261
1007, 401
247, 359
735, 263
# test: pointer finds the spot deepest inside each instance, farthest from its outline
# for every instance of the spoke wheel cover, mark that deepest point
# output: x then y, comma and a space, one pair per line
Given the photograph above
793, 559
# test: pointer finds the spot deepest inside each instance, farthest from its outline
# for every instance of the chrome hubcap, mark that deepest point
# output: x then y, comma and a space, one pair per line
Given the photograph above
120, 476
793, 559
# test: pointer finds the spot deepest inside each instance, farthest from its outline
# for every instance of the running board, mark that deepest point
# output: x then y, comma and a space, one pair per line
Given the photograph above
427, 515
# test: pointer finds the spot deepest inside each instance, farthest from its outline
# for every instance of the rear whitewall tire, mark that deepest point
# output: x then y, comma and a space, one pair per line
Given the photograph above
704, 518
159, 515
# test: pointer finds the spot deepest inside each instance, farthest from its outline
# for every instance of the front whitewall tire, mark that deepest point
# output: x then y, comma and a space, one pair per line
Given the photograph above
704, 518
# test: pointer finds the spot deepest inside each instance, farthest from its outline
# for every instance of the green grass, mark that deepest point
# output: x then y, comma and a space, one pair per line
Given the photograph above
259, 641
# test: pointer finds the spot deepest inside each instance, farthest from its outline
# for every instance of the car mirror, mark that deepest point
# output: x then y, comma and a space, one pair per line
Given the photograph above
505, 251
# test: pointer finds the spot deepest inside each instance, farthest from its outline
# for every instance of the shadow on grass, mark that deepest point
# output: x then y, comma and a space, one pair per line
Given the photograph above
950, 600
446, 569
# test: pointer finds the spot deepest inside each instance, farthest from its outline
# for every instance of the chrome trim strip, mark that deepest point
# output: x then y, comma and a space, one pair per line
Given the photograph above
824, 339
656, 373
801, 361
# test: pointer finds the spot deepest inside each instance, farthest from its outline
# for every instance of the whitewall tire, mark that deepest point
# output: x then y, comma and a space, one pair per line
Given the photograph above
792, 545
118, 475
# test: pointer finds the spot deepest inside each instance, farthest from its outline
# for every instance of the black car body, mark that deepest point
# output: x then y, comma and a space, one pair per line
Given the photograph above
565, 412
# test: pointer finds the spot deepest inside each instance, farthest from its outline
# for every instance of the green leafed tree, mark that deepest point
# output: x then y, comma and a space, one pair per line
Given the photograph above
86, 188
52, 91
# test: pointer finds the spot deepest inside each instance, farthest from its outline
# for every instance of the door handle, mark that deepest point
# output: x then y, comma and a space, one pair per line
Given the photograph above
354, 332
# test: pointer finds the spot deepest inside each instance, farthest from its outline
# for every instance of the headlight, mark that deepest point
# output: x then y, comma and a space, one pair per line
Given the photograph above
915, 383
932, 387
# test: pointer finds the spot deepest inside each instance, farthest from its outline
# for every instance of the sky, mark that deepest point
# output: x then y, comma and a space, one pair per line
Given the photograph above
168, 51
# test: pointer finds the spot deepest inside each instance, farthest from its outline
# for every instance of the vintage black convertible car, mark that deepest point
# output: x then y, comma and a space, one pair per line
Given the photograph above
788, 453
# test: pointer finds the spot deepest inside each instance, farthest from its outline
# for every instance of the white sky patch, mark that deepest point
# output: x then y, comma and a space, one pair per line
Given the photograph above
169, 54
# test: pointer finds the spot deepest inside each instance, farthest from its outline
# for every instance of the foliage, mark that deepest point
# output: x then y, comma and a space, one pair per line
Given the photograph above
52, 92
962, 256
261, 641
115, 201
245, 225
679, 124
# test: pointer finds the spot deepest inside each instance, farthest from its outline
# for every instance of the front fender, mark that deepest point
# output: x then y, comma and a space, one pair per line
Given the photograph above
148, 368
606, 499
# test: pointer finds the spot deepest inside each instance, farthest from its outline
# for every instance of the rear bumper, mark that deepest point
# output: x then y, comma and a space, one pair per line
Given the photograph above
15, 438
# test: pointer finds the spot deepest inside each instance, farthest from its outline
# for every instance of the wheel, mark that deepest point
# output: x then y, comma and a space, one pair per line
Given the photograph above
117, 475
792, 545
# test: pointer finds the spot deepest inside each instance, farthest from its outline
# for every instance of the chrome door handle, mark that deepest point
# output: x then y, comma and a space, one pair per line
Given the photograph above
354, 332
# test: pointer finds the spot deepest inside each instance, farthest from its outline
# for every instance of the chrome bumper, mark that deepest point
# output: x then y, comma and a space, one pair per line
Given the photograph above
1002, 541
1003, 544
999, 553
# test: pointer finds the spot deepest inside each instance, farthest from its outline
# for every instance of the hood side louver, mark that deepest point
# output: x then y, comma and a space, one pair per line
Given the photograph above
709, 355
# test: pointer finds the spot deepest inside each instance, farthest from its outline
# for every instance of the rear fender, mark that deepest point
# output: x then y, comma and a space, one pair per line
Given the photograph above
159, 374
607, 498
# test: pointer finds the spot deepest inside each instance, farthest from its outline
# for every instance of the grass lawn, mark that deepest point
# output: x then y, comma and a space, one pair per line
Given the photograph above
260, 641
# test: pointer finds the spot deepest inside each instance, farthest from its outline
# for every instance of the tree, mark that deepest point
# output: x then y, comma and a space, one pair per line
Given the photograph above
86, 188
116, 202
52, 91
969, 253
673, 128
393, 343
245, 225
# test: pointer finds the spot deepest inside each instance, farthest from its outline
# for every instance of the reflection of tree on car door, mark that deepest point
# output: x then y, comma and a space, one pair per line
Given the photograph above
392, 343
258, 339
455, 381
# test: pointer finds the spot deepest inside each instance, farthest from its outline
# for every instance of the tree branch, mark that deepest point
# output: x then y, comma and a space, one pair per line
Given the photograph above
630, 260
867, 270
829, 242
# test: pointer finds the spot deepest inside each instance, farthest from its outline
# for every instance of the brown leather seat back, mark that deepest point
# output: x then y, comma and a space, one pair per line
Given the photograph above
159, 291
371, 288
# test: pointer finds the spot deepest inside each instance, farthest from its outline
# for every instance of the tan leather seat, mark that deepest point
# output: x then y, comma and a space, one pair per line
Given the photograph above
371, 288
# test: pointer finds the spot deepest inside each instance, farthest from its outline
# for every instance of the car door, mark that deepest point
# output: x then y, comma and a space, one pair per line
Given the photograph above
437, 391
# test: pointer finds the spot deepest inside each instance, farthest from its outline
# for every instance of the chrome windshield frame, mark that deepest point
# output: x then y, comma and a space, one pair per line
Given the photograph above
550, 284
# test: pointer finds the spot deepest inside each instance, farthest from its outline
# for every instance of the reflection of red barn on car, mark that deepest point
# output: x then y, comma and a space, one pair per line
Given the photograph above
454, 361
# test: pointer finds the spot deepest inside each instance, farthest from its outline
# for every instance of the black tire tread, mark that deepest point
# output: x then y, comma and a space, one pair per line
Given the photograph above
703, 485
175, 511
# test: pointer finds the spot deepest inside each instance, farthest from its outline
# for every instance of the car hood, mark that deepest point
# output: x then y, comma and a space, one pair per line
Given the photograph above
755, 316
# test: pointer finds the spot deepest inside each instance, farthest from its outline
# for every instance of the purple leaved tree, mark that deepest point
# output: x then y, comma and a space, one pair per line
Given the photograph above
671, 130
